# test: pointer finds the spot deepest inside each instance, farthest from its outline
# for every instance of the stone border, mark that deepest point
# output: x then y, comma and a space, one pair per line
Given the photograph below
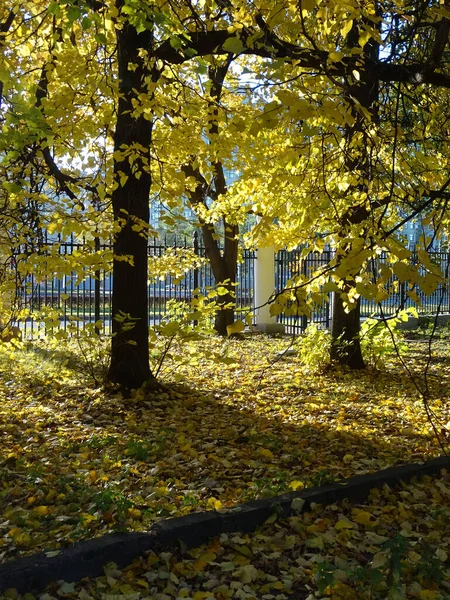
87, 559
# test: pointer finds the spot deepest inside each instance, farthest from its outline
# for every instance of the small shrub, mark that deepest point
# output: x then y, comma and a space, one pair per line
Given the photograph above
381, 339
314, 349
90, 351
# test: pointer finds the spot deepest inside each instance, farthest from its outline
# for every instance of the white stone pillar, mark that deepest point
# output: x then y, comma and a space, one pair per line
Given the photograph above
264, 288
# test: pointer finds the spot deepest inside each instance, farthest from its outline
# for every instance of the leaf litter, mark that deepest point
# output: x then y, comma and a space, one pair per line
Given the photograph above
78, 462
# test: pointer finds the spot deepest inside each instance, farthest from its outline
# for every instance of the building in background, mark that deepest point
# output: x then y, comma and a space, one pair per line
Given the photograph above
414, 230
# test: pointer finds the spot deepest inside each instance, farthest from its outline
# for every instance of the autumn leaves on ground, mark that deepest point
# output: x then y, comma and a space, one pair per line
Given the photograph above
77, 462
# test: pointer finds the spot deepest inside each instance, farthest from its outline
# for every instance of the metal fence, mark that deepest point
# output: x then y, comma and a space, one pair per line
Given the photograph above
291, 263
89, 300
399, 298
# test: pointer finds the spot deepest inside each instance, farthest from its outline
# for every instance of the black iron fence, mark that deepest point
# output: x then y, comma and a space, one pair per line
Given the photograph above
88, 299
293, 263
402, 295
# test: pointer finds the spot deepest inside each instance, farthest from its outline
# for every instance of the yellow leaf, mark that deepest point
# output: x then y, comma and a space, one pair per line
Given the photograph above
134, 513
221, 290
203, 560
428, 595
265, 453
199, 566
364, 37
379, 560
296, 484
403, 271
235, 327
346, 28
320, 526
51, 494
278, 585
87, 518
247, 573
344, 523
41, 511
363, 517
335, 56
214, 503
152, 559
414, 557
92, 476
202, 596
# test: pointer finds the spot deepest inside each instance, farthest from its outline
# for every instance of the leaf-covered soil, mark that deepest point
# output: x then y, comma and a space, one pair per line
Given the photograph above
76, 462
395, 546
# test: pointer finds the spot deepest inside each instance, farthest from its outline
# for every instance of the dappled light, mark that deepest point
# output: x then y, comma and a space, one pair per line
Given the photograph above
303, 148
78, 462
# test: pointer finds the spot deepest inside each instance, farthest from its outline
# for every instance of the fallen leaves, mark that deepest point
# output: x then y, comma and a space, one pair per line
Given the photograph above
77, 463
326, 552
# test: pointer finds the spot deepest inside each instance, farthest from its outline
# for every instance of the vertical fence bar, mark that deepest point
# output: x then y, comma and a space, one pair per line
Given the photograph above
97, 288
196, 270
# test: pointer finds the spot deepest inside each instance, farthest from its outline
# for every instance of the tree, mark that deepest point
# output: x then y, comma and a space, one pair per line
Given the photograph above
201, 154
360, 162
130, 204
101, 66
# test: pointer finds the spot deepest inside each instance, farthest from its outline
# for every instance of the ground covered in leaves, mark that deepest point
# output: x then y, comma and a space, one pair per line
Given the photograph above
395, 547
77, 462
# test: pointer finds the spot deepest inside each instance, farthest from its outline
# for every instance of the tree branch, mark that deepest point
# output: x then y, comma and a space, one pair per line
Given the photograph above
4, 28
212, 42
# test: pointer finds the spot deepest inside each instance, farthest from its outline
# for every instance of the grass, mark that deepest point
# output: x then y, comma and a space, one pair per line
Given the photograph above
77, 462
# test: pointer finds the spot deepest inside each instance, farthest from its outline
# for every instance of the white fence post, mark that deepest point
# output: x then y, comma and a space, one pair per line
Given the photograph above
264, 289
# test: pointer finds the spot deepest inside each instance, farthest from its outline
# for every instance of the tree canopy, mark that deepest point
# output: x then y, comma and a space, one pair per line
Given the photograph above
333, 113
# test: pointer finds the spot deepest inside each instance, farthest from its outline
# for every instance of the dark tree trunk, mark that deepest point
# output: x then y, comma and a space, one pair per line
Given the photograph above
130, 201
346, 346
223, 262
225, 316
224, 268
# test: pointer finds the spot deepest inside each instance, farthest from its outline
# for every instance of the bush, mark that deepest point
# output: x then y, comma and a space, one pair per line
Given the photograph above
381, 339
314, 349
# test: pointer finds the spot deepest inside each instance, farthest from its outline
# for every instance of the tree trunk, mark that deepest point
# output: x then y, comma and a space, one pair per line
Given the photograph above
130, 202
224, 316
346, 346
224, 268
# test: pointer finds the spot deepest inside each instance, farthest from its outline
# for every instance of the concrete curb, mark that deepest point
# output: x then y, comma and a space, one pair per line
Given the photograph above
87, 559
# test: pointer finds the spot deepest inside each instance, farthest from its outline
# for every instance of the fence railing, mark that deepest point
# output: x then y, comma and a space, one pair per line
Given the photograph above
294, 262
89, 300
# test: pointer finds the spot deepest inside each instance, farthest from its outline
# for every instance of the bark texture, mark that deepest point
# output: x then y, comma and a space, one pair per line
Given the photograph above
346, 345
130, 201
